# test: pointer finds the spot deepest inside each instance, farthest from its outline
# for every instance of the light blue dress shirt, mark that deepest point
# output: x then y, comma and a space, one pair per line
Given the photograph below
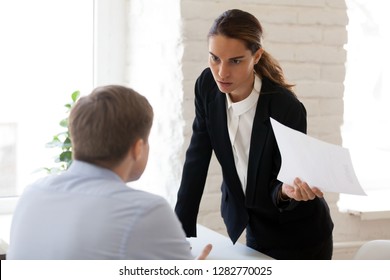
88, 212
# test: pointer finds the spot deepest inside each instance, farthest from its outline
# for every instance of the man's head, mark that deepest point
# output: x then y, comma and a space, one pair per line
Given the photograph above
107, 123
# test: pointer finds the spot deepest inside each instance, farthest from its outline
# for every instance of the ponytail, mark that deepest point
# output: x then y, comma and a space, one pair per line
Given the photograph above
270, 68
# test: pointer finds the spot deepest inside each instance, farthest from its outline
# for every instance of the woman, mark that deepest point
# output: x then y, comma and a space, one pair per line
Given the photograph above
234, 100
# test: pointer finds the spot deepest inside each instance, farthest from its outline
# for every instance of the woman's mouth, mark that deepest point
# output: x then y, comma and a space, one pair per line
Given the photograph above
224, 86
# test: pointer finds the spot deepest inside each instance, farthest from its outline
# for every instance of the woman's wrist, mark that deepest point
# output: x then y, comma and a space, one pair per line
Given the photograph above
283, 197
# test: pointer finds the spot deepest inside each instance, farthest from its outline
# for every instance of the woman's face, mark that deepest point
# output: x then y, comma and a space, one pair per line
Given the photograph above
232, 66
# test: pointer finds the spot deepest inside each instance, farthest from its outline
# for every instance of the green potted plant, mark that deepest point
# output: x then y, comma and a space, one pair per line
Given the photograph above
62, 141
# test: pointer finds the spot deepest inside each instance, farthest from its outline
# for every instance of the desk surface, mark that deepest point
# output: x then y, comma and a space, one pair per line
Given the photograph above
223, 248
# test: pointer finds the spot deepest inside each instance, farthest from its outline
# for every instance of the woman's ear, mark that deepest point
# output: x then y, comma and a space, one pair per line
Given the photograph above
258, 55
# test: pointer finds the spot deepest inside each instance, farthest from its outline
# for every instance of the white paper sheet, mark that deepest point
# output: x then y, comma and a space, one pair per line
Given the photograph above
320, 164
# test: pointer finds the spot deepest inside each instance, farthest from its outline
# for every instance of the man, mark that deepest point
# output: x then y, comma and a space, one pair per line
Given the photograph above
88, 211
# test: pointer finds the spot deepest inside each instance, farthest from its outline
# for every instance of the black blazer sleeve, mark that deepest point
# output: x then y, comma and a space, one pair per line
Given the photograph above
196, 165
291, 113
265, 160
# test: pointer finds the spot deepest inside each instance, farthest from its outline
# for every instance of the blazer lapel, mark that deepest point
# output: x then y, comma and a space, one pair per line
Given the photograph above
223, 151
260, 131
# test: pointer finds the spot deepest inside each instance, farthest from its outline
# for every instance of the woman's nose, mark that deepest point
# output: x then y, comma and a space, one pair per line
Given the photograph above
223, 70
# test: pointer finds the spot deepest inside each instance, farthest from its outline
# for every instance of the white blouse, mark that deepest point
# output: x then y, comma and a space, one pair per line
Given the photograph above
240, 116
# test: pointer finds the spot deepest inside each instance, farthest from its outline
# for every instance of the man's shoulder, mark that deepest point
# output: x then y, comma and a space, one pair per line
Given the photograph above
140, 197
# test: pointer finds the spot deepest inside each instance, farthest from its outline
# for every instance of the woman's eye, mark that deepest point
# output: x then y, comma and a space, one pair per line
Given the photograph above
214, 58
236, 61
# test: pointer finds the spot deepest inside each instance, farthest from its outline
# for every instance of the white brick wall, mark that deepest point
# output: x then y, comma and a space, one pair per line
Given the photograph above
154, 69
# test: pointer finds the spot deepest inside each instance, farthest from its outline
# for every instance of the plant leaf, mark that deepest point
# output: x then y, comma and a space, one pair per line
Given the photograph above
75, 95
62, 140
66, 156
54, 144
67, 144
64, 122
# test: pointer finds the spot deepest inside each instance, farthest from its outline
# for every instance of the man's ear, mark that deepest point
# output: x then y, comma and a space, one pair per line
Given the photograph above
137, 148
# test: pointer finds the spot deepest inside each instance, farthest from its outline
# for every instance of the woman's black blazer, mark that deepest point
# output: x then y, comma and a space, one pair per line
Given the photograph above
274, 225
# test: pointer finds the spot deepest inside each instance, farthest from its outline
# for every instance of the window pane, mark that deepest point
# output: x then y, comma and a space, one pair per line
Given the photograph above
367, 92
46, 54
8, 159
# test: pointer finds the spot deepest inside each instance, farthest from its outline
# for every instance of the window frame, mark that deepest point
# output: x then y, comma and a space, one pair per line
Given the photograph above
109, 33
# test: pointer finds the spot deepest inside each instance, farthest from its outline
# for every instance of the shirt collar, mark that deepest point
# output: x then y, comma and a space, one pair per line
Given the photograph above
245, 105
92, 170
